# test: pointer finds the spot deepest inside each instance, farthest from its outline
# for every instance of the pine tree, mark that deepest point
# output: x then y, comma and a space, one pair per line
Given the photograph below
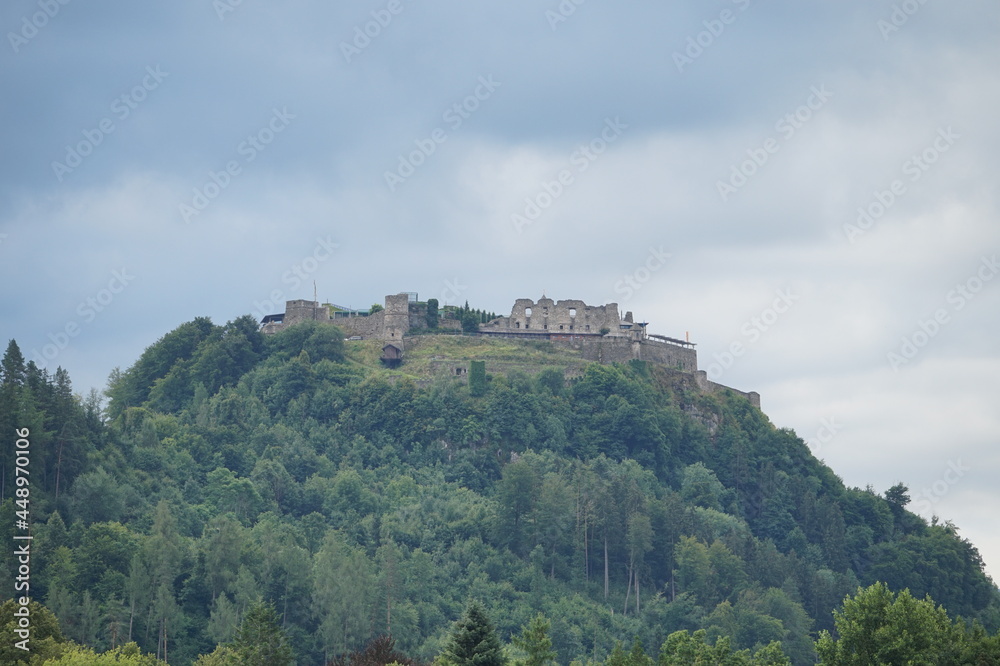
534, 639
260, 641
474, 641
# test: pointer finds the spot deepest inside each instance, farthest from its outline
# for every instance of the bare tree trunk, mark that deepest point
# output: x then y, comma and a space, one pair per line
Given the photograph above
605, 565
59, 467
628, 591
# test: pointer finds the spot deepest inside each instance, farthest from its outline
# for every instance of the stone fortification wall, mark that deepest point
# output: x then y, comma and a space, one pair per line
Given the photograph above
552, 316
367, 327
708, 386
611, 349
677, 357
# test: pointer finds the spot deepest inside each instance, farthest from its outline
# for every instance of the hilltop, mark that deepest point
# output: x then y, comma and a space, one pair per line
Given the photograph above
621, 500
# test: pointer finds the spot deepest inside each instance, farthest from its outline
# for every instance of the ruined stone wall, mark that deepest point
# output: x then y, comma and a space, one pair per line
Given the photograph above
562, 316
708, 386
610, 349
367, 327
672, 356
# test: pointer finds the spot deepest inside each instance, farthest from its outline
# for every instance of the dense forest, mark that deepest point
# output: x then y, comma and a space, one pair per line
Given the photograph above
226, 471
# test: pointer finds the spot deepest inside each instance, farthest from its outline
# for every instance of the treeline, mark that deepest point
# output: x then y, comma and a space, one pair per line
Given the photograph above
875, 626
229, 468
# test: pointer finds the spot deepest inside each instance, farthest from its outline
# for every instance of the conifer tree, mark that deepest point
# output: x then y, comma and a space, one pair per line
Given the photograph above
474, 641
260, 641
534, 639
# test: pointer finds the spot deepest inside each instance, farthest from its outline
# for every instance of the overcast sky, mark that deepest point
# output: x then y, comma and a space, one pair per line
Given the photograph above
808, 189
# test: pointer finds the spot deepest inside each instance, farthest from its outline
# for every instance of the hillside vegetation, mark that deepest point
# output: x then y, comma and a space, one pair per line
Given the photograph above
227, 468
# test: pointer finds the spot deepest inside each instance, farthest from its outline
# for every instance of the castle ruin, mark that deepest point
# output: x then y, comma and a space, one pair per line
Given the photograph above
598, 332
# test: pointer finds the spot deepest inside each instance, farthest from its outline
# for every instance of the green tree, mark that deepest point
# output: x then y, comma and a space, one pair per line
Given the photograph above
432, 313
260, 641
535, 641
477, 378
222, 543
221, 656
343, 582
685, 649
701, 487
516, 492
470, 322
223, 620
474, 641
45, 639
876, 626
638, 541
637, 656
124, 655
898, 496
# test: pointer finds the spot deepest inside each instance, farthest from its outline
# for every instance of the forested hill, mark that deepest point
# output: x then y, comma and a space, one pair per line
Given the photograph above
617, 500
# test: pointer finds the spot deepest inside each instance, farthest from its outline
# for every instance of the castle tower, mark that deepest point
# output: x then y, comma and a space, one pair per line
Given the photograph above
396, 320
301, 310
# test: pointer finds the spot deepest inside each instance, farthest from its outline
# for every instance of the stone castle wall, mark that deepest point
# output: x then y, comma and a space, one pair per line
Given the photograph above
558, 316
610, 349
708, 386
367, 327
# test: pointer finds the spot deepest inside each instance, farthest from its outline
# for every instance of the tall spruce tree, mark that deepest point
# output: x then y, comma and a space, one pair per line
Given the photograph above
260, 641
474, 641
534, 639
